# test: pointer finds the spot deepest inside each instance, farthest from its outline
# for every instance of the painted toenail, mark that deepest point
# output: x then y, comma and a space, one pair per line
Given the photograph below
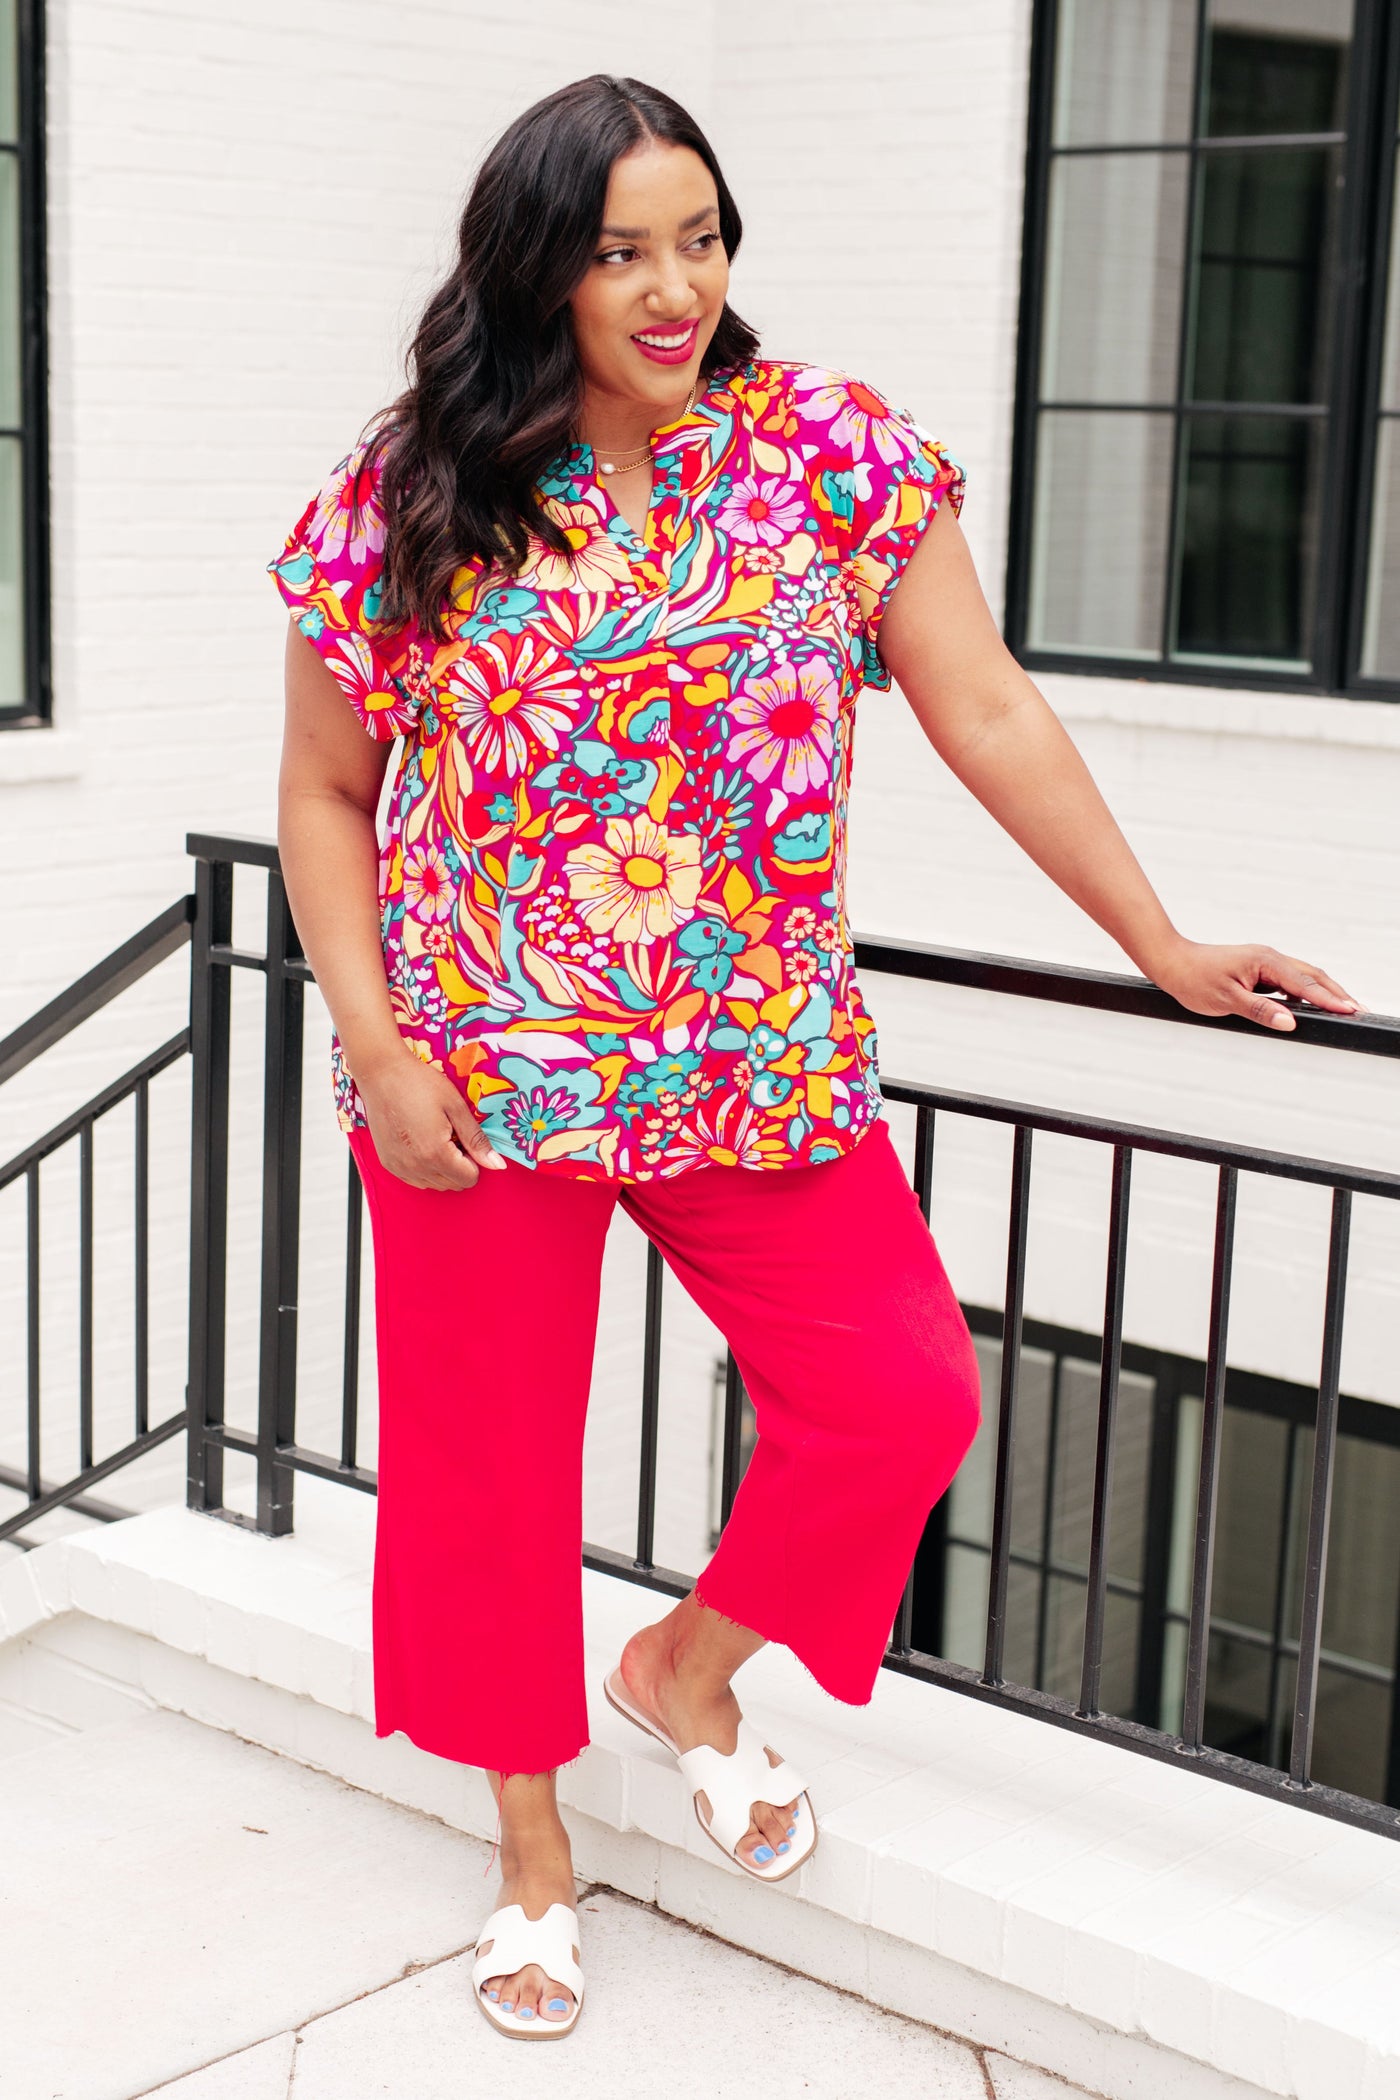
527, 2012
763, 1854
493, 1994
558, 2005
791, 1828
785, 1846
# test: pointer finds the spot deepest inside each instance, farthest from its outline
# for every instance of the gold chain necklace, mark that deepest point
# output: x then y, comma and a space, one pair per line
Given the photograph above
646, 456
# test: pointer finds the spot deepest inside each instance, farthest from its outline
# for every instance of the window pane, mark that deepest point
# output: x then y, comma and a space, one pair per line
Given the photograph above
1249, 538
9, 82
12, 693
1351, 1729
970, 1497
1380, 647
1064, 1645
1114, 267
966, 1575
1123, 71
1390, 360
1098, 571
1351, 1736
9, 291
1262, 75
1265, 255
1249, 1523
1361, 1599
969, 1501
1075, 1455
1238, 1679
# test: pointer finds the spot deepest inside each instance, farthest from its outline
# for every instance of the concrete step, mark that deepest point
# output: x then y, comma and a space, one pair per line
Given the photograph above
1135, 1929
200, 1916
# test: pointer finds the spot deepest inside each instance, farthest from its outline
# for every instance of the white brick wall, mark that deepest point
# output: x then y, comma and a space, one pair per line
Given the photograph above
247, 209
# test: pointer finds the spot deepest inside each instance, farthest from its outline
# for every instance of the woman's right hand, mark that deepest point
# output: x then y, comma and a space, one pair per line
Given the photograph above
422, 1129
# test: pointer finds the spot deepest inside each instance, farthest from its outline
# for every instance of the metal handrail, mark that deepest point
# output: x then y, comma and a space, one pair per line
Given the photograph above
97, 987
1105, 991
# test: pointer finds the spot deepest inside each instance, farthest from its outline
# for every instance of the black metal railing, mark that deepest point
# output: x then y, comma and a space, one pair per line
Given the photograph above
278, 1456
126, 965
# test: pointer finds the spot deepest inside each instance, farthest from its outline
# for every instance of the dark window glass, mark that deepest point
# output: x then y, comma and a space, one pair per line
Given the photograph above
1261, 1533
23, 463
1207, 322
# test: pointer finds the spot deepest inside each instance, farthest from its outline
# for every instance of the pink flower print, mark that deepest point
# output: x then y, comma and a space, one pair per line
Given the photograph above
787, 725
859, 418
333, 526
762, 510
428, 888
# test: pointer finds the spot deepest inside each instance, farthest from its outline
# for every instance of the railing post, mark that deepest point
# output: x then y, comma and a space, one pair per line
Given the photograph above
1110, 1372
209, 1089
281, 1215
1320, 1501
999, 1573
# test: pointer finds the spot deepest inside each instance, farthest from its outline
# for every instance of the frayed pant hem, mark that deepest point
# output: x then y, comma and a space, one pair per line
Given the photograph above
825, 1683
485, 1763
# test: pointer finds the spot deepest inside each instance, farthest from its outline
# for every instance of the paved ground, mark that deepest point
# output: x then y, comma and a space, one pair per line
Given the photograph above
185, 1913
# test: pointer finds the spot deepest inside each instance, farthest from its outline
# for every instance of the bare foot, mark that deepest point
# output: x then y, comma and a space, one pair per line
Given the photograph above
695, 1709
547, 1879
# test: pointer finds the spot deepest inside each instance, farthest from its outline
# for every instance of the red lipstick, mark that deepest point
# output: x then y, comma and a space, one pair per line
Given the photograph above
672, 344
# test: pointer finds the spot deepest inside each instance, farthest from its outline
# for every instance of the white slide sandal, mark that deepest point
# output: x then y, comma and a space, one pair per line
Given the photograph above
733, 1782
516, 1941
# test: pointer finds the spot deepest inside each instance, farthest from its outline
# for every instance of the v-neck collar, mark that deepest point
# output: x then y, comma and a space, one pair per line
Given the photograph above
577, 464
573, 477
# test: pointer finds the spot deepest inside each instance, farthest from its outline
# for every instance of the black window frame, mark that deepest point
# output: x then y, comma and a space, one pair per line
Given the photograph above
1174, 1377
1359, 290
36, 707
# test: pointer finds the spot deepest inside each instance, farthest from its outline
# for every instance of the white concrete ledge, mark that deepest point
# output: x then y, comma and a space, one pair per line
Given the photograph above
1136, 1929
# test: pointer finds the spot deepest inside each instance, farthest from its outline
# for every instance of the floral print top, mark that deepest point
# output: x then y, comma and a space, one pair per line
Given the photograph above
613, 875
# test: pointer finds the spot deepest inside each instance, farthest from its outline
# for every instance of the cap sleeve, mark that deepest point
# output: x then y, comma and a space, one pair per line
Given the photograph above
882, 478
329, 572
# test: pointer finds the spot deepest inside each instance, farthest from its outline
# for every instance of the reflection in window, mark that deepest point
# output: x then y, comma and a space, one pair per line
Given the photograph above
1188, 456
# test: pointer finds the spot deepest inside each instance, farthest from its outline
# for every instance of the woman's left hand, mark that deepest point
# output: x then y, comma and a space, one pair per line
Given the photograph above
1223, 980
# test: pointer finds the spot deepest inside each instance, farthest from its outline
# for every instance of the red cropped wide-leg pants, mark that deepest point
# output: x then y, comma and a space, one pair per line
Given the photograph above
828, 1287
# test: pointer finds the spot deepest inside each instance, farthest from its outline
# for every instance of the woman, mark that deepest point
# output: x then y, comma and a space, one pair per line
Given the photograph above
616, 580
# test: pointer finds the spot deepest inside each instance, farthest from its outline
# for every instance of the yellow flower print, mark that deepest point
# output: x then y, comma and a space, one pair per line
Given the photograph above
640, 883
595, 562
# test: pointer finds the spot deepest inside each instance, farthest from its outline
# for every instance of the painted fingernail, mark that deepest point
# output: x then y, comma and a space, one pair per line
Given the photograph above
763, 1854
785, 1846
558, 2005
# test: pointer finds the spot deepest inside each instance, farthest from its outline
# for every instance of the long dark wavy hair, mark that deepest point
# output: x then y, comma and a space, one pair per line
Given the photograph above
494, 381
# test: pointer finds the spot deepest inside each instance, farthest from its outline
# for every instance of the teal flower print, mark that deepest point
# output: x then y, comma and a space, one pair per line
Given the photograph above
544, 1102
649, 1086
600, 778
714, 947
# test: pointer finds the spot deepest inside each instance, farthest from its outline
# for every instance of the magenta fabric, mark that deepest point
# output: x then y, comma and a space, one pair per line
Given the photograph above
828, 1286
